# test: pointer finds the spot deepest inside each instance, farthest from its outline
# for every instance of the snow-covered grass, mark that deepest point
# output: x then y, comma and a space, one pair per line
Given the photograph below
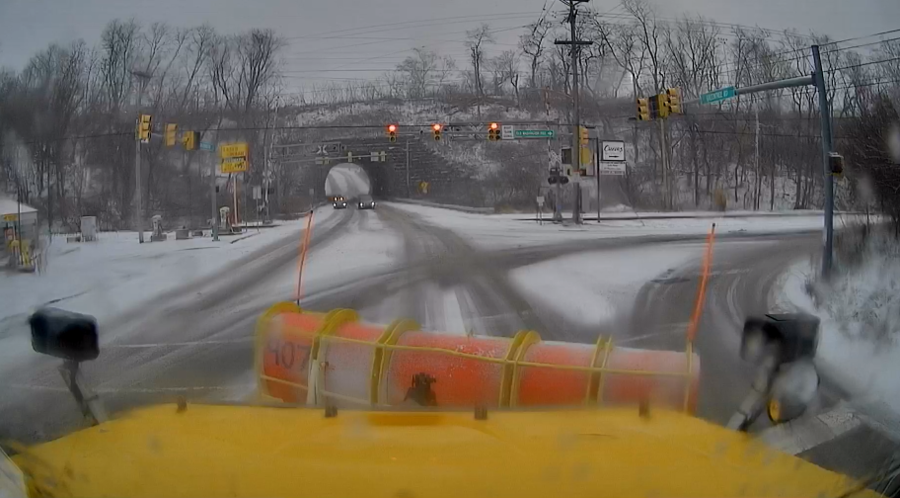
859, 345
115, 273
510, 230
595, 288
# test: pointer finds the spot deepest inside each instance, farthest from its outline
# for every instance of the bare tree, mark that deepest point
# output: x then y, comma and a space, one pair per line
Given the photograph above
532, 45
476, 39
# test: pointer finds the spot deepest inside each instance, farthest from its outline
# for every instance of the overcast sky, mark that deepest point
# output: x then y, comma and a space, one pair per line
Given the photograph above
348, 36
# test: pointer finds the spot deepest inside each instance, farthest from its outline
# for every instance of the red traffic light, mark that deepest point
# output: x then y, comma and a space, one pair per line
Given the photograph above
494, 126
392, 128
436, 127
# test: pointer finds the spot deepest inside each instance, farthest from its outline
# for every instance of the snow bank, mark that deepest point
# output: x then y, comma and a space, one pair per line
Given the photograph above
859, 345
499, 231
115, 273
591, 288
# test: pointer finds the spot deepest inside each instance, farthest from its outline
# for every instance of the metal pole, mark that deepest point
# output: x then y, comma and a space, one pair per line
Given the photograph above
138, 215
576, 135
827, 147
597, 172
212, 196
408, 192
756, 204
137, 182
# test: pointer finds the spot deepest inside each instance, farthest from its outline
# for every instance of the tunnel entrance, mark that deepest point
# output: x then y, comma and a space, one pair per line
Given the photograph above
347, 180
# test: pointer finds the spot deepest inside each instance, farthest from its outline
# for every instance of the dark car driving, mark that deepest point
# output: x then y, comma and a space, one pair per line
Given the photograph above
339, 202
366, 202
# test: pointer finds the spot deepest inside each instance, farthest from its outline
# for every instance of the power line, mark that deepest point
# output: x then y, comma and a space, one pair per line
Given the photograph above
881, 33
861, 64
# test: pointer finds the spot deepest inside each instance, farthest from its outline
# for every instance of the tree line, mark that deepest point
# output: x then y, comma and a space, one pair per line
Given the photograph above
67, 118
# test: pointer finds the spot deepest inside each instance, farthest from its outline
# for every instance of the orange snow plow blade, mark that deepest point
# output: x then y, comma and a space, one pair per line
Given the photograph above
333, 358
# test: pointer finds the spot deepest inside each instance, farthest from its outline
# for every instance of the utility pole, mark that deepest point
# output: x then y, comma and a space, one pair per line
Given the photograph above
576, 111
408, 191
212, 196
827, 147
138, 202
756, 108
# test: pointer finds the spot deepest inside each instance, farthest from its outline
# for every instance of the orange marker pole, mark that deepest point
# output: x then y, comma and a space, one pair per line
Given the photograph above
304, 249
701, 292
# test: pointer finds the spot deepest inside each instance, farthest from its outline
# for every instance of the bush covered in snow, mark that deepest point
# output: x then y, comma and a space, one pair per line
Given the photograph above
863, 294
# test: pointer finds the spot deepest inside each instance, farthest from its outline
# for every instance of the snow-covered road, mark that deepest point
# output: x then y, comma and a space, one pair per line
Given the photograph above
193, 338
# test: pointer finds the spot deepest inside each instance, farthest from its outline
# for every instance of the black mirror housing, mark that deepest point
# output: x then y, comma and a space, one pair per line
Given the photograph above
64, 334
795, 335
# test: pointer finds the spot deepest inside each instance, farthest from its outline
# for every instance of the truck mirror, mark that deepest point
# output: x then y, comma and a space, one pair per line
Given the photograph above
64, 334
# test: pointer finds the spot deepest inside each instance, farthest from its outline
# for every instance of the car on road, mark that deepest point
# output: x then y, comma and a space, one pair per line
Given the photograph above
339, 202
366, 202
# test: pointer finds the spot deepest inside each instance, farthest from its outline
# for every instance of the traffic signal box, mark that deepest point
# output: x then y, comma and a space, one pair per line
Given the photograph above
392, 132
643, 109
674, 100
171, 130
144, 128
494, 132
190, 139
660, 106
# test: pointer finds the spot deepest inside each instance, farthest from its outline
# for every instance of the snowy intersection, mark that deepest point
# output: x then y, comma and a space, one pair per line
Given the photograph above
176, 317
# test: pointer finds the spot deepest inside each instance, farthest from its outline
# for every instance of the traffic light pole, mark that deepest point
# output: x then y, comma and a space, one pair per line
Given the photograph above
408, 192
138, 216
827, 147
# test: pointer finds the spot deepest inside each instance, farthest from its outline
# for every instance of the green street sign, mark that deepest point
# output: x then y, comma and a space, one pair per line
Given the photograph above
718, 95
534, 134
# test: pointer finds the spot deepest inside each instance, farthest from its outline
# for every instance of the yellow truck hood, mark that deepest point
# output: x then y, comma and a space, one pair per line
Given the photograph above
207, 450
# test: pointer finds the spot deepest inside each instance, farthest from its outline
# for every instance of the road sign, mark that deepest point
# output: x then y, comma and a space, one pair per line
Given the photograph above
238, 149
540, 200
257, 192
612, 150
268, 176
534, 134
614, 169
207, 146
234, 165
507, 132
718, 95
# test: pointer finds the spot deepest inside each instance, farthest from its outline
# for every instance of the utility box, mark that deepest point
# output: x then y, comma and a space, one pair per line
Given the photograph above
88, 228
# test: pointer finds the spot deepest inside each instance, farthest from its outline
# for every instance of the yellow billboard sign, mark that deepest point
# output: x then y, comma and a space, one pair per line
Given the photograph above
234, 165
238, 149
10, 217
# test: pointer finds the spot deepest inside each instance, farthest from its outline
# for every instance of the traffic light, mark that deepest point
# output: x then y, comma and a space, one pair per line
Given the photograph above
494, 132
436, 131
392, 132
654, 107
562, 180
836, 164
663, 105
643, 109
675, 100
583, 135
190, 139
171, 128
144, 128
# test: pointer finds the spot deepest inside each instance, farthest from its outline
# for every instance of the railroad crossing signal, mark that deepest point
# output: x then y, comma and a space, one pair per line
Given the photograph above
675, 100
436, 131
392, 132
144, 128
171, 129
190, 139
643, 110
494, 132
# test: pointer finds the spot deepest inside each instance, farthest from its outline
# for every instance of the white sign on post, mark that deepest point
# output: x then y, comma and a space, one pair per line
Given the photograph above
540, 200
507, 132
615, 169
612, 150
257, 192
